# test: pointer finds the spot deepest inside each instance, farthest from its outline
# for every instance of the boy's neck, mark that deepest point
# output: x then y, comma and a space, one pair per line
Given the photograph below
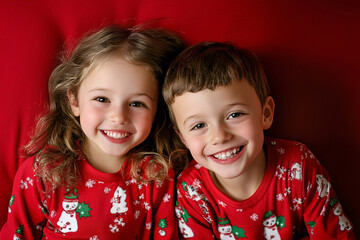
245, 185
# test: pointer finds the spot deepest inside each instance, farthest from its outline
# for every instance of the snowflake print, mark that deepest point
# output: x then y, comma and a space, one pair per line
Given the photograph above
273, 143
297, 204
113, 228
254, 217
141, 196
239, 210
107, 190
287, 191
94, 238
140, 186
23, 184
148, 226
136, 202
280, 197
30, 181
222, 203
90, 183
167, 197
281, 150
119, 221
159, 184
280, 172
137, 214
147, 206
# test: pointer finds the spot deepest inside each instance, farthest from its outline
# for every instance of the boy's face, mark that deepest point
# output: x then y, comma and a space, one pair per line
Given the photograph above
223, 129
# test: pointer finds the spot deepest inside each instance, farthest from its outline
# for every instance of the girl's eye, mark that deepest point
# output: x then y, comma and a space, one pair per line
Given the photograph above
235, 115
198, 126
102, 99
137, 104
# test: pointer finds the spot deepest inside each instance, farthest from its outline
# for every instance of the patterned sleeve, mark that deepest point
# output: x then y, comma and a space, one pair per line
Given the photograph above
192, 211
26, 211
163, 210
323, 215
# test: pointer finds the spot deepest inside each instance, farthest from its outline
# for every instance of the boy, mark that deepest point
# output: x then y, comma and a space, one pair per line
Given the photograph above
242, 184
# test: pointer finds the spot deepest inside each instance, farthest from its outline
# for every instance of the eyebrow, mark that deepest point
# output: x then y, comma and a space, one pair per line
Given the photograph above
189, 118
108, 90
229, 105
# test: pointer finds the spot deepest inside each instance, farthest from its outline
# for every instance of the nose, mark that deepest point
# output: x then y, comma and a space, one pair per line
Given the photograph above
119, 115
219, 134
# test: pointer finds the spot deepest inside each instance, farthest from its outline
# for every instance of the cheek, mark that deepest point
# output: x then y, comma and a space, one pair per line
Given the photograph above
144, 122
90, 116
195, 145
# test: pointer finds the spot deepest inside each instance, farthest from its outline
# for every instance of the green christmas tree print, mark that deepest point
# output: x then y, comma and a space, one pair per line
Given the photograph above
238, 232
83, 210
311, 225
163, 223
280, 222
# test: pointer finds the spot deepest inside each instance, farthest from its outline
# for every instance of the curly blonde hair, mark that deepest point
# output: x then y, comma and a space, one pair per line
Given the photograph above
54, 142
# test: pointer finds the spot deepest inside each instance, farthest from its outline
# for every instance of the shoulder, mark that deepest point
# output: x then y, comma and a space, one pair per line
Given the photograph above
27, 167
194, 182
193, 171
280, 145
287, 150
293, 157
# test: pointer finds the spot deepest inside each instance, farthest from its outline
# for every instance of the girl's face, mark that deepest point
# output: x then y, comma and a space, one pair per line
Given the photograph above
116, 104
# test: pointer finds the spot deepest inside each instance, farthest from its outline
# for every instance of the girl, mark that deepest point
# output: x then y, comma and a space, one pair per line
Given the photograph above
92, 171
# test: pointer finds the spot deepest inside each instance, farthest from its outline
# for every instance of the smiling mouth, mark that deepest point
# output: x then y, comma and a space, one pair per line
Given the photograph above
228, 154
116, 135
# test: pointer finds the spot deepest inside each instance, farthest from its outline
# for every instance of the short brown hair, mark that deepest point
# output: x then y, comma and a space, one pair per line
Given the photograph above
207, 65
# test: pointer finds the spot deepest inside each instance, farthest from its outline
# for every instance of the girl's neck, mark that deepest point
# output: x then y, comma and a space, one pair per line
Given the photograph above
100, 161
245, 185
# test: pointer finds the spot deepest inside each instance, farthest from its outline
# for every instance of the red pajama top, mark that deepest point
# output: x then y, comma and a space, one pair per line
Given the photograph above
102, 206
294, 196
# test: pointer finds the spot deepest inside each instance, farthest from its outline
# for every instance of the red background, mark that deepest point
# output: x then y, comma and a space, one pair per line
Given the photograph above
310, 52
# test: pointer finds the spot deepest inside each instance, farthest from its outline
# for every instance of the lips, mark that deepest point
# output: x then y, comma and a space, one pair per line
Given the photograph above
116, 136
227, 156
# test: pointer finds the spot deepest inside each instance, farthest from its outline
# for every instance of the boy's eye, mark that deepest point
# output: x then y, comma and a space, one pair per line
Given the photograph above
235, 115
198, 126
102, 99
137, 104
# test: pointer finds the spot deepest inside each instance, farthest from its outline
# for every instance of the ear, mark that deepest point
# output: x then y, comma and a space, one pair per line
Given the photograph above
73, 103
268, 113
181, 137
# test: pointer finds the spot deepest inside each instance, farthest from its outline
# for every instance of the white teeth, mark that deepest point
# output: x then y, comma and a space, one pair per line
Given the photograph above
227, 154
116, 135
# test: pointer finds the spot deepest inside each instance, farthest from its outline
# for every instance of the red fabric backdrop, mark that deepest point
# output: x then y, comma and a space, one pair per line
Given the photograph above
309, 50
